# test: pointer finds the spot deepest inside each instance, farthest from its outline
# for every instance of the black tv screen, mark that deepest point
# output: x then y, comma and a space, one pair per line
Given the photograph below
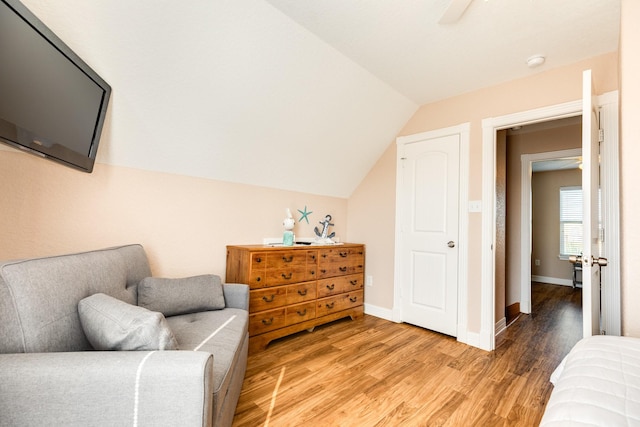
51, 102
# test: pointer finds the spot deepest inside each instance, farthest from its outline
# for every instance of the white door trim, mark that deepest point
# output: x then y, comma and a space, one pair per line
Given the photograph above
610, 188
525, 219
489, 128
463, 222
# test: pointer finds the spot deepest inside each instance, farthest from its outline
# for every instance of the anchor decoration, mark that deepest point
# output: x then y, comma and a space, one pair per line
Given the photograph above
324, 235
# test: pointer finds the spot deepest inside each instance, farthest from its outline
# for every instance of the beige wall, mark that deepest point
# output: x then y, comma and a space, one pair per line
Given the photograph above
184, 223
629, 155
545, 196
540, 90
371, 210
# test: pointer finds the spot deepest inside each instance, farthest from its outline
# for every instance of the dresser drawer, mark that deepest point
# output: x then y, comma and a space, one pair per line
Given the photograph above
286, 259
301, 312
300, 293
267, 299
339, 285
286, 276
340, 302
257, 270
267, 321
339, 269
353, 255
340, 261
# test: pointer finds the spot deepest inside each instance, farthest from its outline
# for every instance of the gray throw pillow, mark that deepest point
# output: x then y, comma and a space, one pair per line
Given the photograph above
180, 296
111, 324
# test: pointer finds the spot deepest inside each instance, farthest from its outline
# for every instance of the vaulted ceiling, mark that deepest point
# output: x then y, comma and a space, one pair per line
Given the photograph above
302, 95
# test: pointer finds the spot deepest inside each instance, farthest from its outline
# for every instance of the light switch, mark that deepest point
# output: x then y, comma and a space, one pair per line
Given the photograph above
475, 205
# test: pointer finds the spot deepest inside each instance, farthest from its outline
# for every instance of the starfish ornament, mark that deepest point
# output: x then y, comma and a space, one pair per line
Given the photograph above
305, 215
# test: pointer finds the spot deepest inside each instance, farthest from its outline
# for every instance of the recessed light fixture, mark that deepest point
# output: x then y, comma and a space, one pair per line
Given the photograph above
535, 61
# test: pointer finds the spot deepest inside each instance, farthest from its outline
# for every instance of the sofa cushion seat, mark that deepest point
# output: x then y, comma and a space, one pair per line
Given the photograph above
221, 333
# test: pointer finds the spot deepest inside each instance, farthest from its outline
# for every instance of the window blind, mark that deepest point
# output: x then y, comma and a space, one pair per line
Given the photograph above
570, 221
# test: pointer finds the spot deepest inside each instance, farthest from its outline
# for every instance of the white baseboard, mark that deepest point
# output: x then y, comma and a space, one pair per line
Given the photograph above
501, 326
474, 339
552, 280
381, 312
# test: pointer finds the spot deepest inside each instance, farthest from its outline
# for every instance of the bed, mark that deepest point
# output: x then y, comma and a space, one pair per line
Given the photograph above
597, 384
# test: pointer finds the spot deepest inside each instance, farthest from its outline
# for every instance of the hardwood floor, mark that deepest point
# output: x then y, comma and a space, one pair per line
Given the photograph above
372, 372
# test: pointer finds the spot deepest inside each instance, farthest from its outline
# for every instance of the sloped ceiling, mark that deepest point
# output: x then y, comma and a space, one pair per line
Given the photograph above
403, 44
301, 95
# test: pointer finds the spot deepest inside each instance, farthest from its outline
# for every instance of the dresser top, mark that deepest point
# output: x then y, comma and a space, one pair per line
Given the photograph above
297, 246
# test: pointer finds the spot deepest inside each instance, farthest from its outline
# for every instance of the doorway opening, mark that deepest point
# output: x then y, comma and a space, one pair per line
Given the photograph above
549, 151
608, 106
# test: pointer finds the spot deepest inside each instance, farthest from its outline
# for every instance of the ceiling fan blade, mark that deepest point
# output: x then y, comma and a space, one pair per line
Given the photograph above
454, 11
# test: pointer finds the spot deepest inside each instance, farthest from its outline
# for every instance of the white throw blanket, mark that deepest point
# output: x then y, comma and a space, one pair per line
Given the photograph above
597, 384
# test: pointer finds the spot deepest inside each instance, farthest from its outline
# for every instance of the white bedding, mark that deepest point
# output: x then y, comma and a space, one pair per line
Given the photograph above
597, 384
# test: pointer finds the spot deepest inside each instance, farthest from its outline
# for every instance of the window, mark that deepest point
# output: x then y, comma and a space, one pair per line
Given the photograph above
570, 221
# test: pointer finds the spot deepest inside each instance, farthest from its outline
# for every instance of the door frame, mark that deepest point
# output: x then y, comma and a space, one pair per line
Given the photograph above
462, 131
526, 229
608, 103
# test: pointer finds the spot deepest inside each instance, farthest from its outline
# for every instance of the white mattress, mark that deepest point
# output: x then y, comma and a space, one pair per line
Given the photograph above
597, 384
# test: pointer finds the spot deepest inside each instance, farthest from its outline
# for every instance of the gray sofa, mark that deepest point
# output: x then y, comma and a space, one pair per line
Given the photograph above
50, 373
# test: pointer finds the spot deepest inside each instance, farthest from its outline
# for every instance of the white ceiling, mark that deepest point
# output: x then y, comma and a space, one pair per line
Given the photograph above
302, 95
403, 44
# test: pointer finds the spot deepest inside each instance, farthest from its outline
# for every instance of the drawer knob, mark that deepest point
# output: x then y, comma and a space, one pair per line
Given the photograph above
265, 299
258, 279
343, 254
258, 259
287, 277
285, 259
330, 305
267, 322
343, 269
302, 313
302, 292
323, 271
354, 282
331, 286
353, 299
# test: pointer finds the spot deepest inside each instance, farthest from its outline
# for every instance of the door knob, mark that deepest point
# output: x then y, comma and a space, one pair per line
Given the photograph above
451, 244
602, 262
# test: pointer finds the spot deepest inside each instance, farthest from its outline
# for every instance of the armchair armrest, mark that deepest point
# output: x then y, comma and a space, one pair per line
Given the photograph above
236, 295
147, 388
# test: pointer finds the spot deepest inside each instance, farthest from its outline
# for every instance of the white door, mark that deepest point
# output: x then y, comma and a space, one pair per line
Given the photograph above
590, 221
429, 226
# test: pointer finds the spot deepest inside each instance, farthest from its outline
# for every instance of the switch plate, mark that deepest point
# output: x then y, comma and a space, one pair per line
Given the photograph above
475, 205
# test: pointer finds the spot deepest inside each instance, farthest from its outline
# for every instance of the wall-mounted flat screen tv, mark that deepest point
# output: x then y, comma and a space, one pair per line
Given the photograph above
51, 102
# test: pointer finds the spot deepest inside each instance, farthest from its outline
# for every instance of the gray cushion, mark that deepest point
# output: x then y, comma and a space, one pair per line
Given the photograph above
181, 296
111, 324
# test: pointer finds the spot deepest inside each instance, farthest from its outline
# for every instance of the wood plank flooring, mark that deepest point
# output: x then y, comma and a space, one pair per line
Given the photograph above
372, 372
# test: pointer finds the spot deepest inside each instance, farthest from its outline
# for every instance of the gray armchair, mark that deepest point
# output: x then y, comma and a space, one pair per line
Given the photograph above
50, 375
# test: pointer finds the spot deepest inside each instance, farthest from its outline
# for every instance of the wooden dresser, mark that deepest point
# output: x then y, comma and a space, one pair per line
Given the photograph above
297, 287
